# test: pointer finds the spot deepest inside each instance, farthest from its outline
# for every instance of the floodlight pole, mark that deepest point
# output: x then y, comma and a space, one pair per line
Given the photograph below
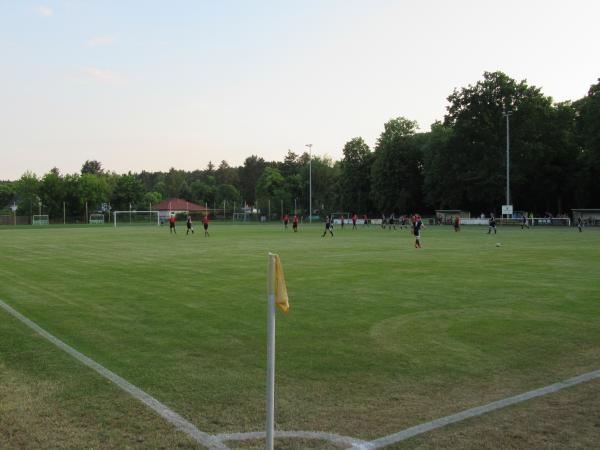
507, 115
309, 182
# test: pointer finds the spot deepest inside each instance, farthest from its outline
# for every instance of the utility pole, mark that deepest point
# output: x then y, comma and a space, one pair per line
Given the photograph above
309, 182
507, 114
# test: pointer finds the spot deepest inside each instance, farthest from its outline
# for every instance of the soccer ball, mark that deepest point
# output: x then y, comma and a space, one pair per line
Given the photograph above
498, 244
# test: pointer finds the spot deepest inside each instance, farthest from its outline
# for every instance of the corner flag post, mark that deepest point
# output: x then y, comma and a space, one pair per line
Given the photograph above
270, 353
276, 296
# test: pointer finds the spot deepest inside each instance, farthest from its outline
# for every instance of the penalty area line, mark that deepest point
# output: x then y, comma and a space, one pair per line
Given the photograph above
162, 410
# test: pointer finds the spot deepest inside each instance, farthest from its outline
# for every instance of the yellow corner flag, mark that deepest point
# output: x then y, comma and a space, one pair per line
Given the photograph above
277, 284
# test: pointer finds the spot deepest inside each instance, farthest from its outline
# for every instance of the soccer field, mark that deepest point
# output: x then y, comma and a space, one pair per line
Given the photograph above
380, 336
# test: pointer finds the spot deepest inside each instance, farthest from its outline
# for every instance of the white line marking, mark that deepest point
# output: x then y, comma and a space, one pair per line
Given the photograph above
479, 410
175, 419
335, 438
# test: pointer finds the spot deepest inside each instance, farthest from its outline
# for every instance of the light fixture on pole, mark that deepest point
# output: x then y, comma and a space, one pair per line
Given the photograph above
507, 113
309, 182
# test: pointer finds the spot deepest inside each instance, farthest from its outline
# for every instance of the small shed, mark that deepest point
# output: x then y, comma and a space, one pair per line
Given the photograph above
177, 206
589, 216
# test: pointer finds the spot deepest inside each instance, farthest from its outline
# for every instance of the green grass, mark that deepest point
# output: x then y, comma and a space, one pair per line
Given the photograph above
380, 336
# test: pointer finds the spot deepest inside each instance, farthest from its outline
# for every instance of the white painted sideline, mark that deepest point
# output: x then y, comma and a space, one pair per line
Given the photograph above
171, 416
215, 442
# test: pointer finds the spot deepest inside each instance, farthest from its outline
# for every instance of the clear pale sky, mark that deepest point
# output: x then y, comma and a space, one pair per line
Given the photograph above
159, 84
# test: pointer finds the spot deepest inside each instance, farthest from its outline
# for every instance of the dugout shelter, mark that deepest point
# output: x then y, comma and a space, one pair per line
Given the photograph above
589, 216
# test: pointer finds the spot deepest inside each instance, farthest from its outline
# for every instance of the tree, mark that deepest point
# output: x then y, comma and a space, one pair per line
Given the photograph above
26, 189
204, 191
441, 190
184, 191
52, 192
325, 181
270, 187
476, 153
173, 181
128, 191
151, 198
248, 175
228, 193
396, 173
355, 176
587, 128
93, 190
7, 195
92, 167
226, 174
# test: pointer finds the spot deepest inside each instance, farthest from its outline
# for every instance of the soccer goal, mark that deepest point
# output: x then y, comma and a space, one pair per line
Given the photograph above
123, 218
96, 219
40, 219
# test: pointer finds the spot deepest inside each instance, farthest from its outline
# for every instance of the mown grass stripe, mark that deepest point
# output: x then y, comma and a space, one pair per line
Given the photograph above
171, 416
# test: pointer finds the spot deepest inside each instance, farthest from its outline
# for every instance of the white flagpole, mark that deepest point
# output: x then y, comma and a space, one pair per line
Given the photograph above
270, 355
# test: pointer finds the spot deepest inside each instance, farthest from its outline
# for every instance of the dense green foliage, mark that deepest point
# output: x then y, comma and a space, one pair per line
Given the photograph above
458, 164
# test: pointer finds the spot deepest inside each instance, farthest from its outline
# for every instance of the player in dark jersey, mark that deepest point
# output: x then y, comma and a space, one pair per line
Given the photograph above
172, 221
205, 224
383, 221
580, 224
354, 217
328, 227
188, 224
342, 220
366, 219
524, 222
492, 224
403, 221
392, 221
417, 225
295, 223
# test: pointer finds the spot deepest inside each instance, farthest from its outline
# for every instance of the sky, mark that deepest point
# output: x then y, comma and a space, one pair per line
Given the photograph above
150, 85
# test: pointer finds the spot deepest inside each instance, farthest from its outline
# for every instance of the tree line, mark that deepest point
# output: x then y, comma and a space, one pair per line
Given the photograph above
460, 163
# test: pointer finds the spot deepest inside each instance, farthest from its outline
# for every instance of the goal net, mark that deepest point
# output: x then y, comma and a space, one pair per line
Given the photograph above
40, 219
123, 218
337, 217
96, 219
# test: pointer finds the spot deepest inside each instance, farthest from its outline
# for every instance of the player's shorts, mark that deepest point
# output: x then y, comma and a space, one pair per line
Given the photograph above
206, 226
327, 226
295, 225
171, 225
285, 222
189, 225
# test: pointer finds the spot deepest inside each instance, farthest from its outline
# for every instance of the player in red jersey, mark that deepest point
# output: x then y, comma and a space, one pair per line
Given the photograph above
172, 221
366, 219
295, 223
205, 223
457, 223
286, 219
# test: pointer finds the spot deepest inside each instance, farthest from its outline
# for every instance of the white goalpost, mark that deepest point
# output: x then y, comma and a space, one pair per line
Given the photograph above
40, 219
136, 218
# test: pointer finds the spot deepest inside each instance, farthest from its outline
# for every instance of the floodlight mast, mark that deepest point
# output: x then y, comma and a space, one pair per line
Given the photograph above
309, 182
507, 113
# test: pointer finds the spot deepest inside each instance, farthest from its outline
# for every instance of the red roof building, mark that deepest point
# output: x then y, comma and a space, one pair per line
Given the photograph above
178, 205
